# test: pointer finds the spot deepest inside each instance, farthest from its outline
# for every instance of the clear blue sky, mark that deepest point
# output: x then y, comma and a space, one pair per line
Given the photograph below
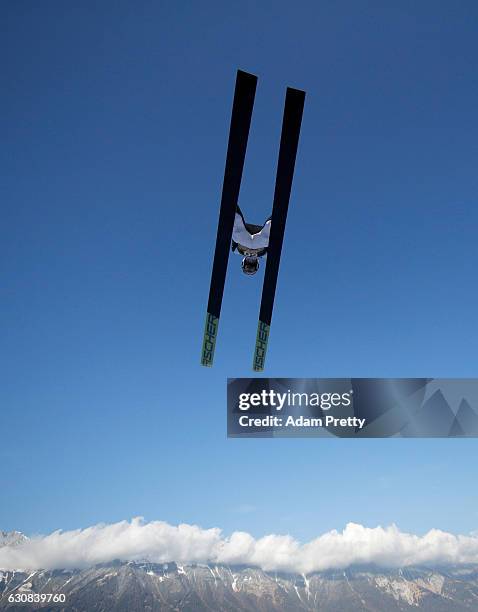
114, 125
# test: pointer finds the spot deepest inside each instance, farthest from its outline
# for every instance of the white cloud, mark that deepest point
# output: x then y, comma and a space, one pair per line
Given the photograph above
160, 542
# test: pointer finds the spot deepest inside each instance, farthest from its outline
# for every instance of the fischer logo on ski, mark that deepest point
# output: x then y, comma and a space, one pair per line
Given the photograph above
261, 346
209, 344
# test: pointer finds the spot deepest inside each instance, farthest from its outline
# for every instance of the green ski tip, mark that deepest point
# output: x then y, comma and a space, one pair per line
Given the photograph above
261, 346
209, 342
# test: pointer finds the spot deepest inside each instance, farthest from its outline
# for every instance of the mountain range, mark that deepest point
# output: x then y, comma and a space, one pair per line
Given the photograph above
132, 586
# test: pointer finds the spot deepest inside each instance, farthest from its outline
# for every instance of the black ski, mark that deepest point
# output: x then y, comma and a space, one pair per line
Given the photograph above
294, 106
236, 150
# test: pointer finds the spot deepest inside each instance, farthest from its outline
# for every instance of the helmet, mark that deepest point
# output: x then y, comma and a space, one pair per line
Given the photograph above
250, 265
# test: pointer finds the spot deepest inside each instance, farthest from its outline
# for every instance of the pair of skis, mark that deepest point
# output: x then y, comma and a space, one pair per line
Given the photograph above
243, 103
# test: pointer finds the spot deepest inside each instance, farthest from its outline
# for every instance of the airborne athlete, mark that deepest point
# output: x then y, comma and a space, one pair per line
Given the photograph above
252, 241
